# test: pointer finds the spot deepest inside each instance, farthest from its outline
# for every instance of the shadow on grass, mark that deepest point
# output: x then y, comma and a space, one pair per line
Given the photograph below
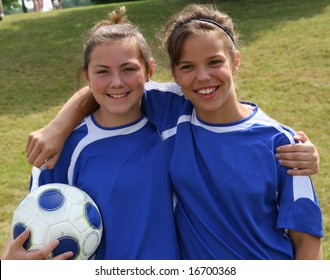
40, 56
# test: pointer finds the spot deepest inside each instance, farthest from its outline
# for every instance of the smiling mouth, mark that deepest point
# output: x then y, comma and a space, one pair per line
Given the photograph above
206, 91
118, 96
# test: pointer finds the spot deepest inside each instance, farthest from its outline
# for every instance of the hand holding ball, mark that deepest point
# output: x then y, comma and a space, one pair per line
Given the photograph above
63, 212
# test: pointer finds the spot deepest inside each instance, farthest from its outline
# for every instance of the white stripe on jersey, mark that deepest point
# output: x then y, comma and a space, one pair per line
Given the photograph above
164, 87
35, 178
172, 131
302, 188
257, 117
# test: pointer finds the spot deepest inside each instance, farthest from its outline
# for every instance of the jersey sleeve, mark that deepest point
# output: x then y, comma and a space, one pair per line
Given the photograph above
41, 177
299, 209
59, 174
56, 175
163, 104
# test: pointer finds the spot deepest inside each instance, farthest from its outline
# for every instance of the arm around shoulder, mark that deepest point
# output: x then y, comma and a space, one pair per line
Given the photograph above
302, 157
44, 145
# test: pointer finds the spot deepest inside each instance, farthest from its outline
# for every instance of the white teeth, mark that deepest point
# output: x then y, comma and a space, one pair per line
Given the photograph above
117, 95
206, 91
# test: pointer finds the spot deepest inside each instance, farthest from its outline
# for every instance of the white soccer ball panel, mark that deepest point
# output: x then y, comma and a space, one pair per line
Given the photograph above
57, 211
90, 241
39, 231
27, 209
75, 195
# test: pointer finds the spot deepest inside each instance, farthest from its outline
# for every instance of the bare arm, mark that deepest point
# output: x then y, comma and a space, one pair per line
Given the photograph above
14, 250
44, 145
303, 157
307, 247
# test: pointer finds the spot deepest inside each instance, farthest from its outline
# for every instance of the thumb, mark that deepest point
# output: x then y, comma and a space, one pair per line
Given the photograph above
301, 136
19, 241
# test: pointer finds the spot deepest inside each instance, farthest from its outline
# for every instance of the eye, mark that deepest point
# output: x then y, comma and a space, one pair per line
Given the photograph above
100, 70
129, 69
103, 71
215, 62
186, 67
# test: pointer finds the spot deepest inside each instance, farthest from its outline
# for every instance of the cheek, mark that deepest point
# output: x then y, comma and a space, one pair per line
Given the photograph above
98, 83
185, 80
179, 77
136, 80
226, 73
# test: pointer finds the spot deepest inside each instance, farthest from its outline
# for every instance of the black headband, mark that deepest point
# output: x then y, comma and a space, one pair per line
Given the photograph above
214, 23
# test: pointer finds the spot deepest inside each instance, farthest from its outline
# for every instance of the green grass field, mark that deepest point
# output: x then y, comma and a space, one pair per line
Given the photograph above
285, 69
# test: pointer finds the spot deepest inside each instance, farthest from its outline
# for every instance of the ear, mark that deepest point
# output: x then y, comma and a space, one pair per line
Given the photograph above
236, 62
150, 70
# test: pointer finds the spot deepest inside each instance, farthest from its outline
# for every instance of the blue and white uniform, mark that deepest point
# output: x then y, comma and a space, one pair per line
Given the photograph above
234, 200
125, 171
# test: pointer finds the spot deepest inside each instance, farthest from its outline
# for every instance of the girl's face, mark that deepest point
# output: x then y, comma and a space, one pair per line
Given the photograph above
116, 75
205, 74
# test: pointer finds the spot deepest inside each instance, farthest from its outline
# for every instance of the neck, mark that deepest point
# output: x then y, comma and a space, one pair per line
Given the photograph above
226, 114
108, 120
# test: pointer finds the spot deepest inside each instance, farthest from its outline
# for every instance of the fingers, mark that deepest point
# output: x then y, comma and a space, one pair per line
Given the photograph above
298, 152
50, 162
45, 252
39, 153
301, 172
43, 149
294, 148
41, 254
299, 167
16, 251
19, 241
64, 256
303, 157
297, 156
35, 150
28, 145
35, 157
32, 143
42, 160
296, 163
301, 136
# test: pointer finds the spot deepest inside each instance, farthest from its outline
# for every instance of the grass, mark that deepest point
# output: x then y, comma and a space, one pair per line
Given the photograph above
284, 69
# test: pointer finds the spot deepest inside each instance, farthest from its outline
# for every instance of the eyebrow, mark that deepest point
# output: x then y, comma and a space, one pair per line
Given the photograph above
209, 58
100, 65
122, 65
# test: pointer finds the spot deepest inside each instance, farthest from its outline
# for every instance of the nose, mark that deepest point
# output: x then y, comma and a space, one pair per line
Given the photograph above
116, 80
203, 75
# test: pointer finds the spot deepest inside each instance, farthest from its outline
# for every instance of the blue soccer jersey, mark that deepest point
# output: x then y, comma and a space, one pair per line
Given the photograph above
125, 171
234, 200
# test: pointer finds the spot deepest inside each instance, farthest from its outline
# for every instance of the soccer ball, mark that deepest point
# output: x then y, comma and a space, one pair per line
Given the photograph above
63, 212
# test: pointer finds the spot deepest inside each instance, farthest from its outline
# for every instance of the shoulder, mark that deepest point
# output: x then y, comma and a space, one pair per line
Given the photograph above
164, 103
269, 129
76, 135
164, 87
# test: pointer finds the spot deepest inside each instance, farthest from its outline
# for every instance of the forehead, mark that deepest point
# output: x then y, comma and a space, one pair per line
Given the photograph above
116, 51
206, 44
122, 47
